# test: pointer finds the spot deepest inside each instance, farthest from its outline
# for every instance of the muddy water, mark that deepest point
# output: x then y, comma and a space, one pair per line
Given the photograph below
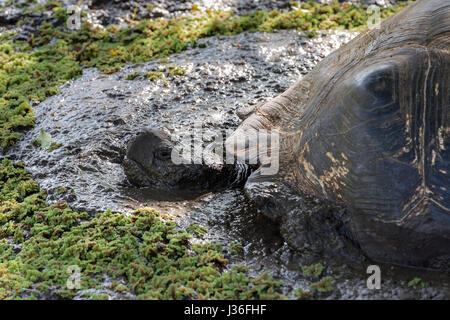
95, 116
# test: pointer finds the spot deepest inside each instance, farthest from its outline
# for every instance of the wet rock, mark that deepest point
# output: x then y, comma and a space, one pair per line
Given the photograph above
9, 16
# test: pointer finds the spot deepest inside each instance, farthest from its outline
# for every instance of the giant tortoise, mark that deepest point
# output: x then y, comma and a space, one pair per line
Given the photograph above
368, 128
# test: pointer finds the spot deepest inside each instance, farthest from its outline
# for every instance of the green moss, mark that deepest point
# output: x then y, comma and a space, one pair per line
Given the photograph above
195, 8
54, 146
302, 294
236, 248
27, 74
324, 285
101, 296
415, 282
310, 34
196, 229
314, 270
121, 288
19, 236
133, 76
33, 70
152, 75
61, 190
36, 142
176, 71
151, 6
145, 250
165, 72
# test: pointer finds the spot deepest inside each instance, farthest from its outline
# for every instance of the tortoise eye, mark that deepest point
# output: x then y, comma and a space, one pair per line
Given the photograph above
164, 154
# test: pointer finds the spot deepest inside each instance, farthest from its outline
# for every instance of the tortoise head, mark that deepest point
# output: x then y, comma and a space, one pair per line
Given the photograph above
153, 160
148, 160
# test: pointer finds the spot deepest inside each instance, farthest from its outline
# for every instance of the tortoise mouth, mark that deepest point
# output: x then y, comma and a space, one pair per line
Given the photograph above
162, 174
186, 176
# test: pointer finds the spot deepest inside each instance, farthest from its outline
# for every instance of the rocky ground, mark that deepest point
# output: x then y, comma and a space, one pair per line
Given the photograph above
94, 116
